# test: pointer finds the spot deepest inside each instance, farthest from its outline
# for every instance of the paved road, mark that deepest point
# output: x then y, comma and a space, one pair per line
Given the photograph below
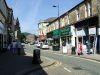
70, 65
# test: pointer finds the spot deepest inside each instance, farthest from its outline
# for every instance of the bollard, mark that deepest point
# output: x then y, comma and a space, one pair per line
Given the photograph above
36, 56
73, 50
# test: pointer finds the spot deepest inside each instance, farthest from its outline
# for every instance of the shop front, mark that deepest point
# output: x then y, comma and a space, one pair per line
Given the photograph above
3, 38
86, 34
49, 38
66, 38
56, 40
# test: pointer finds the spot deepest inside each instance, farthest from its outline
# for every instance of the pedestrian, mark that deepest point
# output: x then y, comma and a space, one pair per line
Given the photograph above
9, 47
81, 48
14, 46
79, 51
19, 46
88, 47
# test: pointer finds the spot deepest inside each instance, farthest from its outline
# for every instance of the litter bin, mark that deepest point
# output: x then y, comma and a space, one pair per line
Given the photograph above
55, 48
36, 56
73, 50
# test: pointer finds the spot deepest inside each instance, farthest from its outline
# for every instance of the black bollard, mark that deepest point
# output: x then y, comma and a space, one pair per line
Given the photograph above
73, 50
36, 56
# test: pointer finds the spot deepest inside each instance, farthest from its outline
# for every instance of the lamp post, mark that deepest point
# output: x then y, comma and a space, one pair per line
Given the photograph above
57, 6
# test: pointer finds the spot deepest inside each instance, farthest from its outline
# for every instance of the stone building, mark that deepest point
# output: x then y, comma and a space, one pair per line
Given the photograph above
42, 28
3, 25
7, 27
17, 29
79, 24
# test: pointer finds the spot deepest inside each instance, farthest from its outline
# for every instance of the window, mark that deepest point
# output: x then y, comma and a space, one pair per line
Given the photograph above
77, 14
88, 9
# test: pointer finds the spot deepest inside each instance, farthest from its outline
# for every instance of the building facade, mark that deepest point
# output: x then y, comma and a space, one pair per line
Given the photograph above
7, 26
43, 29
79, 24
3, 25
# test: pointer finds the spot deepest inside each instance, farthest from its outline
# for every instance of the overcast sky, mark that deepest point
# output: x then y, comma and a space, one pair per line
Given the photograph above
30, 12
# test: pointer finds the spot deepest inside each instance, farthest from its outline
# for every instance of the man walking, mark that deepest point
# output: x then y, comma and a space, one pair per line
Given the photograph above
19, 46
14, 46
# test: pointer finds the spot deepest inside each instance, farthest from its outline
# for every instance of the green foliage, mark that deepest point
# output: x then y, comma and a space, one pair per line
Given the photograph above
21, 36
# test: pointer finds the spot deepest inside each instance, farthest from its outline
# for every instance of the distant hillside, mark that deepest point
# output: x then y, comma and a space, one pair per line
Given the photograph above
26, 33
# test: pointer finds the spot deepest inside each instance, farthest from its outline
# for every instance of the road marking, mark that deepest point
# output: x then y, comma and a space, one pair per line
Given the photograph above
57, 54
78, 57
28, 53
57, 64
67, 69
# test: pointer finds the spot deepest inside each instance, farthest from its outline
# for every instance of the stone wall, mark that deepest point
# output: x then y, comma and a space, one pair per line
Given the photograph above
82, 11
72, 16
2, 18
94, 7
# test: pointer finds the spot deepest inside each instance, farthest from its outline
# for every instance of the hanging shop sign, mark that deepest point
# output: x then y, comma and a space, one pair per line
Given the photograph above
56, 33
66, 31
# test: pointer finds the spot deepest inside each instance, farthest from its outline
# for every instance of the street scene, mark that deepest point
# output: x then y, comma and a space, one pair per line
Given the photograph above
49, 37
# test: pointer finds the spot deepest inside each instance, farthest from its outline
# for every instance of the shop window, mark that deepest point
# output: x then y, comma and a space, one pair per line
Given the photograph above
80, 39
69, 40
85, 39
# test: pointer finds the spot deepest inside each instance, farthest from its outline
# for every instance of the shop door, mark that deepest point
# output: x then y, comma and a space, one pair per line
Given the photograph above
93, 42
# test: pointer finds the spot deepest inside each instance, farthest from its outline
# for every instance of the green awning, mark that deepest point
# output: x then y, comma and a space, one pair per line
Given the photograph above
66, 31
56, 33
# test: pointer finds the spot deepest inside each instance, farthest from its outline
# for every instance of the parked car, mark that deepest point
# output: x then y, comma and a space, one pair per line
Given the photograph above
45, 46
39, 44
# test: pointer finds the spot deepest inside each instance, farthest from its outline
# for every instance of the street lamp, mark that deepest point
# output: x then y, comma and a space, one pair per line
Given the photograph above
57, 6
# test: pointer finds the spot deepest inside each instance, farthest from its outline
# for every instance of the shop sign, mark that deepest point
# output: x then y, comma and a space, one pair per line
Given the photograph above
56, 33
92, 30
81, 33
66, 31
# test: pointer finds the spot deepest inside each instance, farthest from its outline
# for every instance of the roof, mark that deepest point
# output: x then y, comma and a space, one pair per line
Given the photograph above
50, 19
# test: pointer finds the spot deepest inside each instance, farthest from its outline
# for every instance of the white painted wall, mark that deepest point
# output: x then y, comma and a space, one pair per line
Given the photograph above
73, 36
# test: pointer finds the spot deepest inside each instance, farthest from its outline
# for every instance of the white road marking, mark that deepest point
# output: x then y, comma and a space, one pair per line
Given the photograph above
57, 64
67, 69
28, 53
78, 57
57, 53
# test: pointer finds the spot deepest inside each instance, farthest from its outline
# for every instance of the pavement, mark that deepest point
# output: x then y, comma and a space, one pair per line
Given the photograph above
95, 57
13, 64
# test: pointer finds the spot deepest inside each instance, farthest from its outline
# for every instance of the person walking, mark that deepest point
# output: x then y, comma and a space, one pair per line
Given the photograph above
79, 51
14, 46
88, 47
81, 48
19, 46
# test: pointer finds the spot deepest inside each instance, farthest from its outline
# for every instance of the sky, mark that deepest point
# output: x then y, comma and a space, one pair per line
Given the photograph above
30, 12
